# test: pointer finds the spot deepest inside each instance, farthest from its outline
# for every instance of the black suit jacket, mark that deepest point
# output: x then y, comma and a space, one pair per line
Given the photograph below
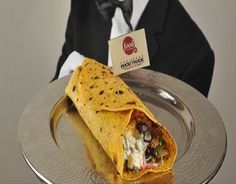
176, 45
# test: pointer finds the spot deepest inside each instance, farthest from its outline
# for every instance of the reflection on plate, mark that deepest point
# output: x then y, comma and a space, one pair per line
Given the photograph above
59, 147
78, 143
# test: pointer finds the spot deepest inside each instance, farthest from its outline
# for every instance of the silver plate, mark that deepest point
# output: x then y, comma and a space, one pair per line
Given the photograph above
57, 154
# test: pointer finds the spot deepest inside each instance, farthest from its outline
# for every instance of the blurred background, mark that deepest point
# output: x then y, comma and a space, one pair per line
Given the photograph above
31, 38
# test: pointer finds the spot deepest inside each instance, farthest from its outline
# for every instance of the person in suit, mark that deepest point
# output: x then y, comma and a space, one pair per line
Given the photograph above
176, 45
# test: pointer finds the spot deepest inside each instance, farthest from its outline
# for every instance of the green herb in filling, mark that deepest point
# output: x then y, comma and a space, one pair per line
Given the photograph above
161, 152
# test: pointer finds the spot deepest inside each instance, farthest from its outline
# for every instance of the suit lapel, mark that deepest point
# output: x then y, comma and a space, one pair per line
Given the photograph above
153, 20
152, 42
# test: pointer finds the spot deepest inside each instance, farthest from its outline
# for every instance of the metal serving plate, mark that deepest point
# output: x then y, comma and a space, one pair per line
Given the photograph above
57, 144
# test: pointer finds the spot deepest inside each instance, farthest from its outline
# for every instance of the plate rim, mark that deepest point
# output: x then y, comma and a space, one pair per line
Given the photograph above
140, 74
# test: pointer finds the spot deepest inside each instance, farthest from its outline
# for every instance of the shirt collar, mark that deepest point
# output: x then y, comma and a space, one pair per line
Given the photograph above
138, 8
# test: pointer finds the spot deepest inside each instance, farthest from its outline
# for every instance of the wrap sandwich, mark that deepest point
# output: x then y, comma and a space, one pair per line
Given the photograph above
128, 132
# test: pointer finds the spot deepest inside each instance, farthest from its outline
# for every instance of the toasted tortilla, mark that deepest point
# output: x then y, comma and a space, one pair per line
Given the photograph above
106, 104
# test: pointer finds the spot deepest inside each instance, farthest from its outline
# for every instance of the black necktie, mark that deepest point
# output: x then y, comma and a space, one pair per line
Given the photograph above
107, 9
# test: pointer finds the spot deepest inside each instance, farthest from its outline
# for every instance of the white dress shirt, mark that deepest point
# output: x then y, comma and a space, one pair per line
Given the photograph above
119, 27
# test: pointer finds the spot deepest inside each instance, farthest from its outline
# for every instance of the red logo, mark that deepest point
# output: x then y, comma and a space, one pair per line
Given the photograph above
129, 45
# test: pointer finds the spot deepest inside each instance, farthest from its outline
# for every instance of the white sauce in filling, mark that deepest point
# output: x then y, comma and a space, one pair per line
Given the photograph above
134, 149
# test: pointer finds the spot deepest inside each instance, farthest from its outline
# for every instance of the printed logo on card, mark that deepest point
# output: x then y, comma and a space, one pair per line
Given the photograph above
129, 45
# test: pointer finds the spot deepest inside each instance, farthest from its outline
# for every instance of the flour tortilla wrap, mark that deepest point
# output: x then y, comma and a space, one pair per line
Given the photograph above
107, 105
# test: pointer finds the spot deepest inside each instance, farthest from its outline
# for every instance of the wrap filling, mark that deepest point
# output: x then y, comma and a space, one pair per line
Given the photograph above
143, 144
